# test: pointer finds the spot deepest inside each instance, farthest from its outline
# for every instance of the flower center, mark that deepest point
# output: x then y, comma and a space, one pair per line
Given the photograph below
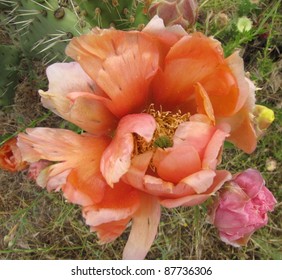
167, 122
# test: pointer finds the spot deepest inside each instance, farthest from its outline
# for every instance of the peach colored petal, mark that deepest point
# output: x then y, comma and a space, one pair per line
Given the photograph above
157, 187
144, 229
74, 195
76, 157
177, 162
68, 77
102, 53
212, 151
236, 65
195, 133
52, 178
190, 200
116, 159
200, 181
135, 174
10, 157
89, 112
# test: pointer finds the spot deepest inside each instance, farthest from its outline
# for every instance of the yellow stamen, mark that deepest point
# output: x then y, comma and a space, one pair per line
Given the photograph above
167, 123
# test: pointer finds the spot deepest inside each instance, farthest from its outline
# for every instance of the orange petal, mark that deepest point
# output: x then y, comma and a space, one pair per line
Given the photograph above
108, 232
113, 212
144, 229
190, 60
116, 159
121, 63
204, 105
244, 136
222, 89
10, 156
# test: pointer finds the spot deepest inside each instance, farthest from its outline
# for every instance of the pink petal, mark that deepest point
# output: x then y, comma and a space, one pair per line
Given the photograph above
116, 159
144, 229
250, 181
68, 77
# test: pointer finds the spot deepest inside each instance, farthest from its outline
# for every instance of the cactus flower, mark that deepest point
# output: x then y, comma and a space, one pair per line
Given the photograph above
241, 207
151, 106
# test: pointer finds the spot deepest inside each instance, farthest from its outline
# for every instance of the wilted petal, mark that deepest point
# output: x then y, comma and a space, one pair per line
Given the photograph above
117, 157
144, 229
241, 207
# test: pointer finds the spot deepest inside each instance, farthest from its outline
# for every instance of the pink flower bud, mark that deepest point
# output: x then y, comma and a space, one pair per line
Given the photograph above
183, 12
241, 208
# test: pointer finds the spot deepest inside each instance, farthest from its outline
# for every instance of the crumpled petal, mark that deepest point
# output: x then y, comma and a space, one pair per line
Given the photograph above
10, 156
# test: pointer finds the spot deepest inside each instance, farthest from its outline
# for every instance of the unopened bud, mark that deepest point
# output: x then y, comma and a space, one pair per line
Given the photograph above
183, 12
263, 118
